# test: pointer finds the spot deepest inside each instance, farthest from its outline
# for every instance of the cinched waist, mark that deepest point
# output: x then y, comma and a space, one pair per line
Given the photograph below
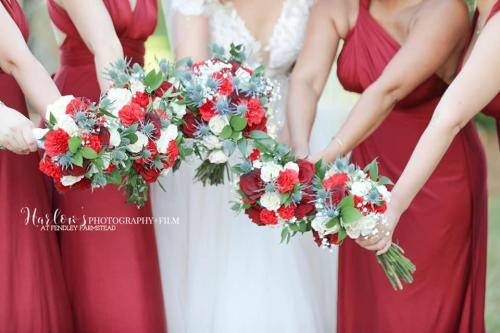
133, 49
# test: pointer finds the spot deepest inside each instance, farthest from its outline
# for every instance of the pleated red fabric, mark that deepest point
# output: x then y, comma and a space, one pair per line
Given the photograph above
113, 277
33, 295
443, 231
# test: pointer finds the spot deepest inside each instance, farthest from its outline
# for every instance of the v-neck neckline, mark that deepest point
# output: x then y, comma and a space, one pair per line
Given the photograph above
264, 47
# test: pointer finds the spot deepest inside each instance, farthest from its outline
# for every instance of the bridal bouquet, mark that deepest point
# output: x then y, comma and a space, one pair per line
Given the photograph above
350, 202
145, 111
275, 188
77, 143
226, 102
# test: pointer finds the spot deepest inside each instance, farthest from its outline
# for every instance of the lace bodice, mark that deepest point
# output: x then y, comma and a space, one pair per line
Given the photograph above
282, 49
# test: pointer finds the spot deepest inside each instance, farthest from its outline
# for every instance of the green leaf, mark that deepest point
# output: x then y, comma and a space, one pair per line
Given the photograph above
259, 135
52, 119
320, 168
286, 198
243, 147
332, 223
74, 144
372, 169
132, 137
346, 202
226, 133
285, 236
153, 81
342, 234
77, 159
236, 135
350, 214
106, 113
114, 177
385, 181
89, 153
238, 123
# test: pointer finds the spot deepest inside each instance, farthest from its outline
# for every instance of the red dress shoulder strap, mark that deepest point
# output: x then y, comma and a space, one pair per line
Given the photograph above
494, 10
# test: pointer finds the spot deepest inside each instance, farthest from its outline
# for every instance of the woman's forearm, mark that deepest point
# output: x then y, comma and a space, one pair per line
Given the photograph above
301, 113
35, 82
368, 113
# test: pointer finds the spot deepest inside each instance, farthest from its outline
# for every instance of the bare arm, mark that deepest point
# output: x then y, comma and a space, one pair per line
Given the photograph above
476, 85
191, 36
17, 60
36, 84
310, 75
433, 37
95, 26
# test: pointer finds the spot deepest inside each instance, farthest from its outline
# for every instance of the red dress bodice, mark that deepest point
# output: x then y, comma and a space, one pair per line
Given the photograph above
133, 27
448, 216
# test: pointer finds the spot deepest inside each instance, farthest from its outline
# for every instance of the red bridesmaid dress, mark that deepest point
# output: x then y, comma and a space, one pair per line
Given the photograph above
113, 277
443, 231
493, 108
33, 295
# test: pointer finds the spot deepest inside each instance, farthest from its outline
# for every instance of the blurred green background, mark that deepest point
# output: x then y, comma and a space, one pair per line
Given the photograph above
334, 106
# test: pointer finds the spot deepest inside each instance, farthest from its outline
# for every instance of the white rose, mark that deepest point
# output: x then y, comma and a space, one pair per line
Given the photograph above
292, 166
211, 142
361, 188
270, 171
217, 157
114, 137
70, 180
179, 109
67, 124
318, 224
362, 227
168, 134
136, 86
271, 201
139, 145
58, 108
217, 124
119, 98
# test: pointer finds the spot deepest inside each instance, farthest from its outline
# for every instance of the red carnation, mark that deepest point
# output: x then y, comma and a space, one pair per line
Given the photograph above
189, 126
141, 99
254, 214
226, 88
332, 239
104, 136
153, 150
83, 184
255, 112
92, 141
255, 155
110, 168
306, 171
165, 86
50, 168
252, 185
150, 175
336, 179
207, 110
286, 213
76, 171
76, 105
306, 206
380, 209
337, 193
131, 114
262, 126
173, 152
56, 142
287, 179
268, 217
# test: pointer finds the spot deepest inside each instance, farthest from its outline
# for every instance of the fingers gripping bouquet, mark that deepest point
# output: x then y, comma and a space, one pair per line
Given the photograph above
145, 113
226, 101
275, 188
350, 202
78, 152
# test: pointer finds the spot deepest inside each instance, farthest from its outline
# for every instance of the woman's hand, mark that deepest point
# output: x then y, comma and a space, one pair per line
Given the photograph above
382, 240
16, 132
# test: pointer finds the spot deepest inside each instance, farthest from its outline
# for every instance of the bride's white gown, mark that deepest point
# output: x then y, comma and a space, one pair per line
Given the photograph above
220, 272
